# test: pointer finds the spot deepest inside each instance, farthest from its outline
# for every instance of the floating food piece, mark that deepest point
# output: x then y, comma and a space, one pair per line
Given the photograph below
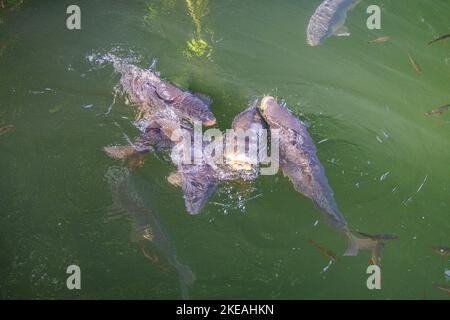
380, 39
328, 20
414, 64
438, 111
445, 37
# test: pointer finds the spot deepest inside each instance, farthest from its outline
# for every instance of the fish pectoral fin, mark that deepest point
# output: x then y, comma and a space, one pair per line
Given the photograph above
342, 31
197, 187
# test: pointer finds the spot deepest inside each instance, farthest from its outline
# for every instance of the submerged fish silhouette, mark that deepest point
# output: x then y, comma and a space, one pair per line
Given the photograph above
444, 37
146, 225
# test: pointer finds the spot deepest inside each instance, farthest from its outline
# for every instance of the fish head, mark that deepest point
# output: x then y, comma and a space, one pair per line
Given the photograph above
247, 126
249, 119
269, 109
317, 33
279, 116
267, 103
198, 111
313, 41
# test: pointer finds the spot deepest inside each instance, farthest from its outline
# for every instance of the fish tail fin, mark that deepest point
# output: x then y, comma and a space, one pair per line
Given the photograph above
185, 273
355, 244
186, 278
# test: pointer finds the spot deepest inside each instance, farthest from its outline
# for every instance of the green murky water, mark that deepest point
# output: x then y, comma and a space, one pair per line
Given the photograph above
387, 163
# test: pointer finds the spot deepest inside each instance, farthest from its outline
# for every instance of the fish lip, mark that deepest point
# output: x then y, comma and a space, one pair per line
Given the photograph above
209, 123
312, 43
264, 102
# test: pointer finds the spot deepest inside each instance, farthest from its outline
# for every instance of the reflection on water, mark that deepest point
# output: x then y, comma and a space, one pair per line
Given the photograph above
197, 46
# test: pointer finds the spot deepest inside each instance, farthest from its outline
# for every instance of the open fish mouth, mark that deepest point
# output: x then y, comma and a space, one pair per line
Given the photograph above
239, 162
265, 102
209, 123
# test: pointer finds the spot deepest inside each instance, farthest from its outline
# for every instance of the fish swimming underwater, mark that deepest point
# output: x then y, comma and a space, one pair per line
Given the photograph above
328, 20
443, 251
444, 37
415, 64
147, 229
438, 111
380, 39
299, 162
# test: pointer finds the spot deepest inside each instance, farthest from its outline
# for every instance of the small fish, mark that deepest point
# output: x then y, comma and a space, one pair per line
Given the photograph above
380, 237
6, 129
443, 251
445, 37
55, 109
328, 20
438, 111
443, 287
380, 40
324, 251
414, 64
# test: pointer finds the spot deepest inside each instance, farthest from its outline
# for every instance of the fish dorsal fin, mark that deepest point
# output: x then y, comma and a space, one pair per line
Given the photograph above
204, 98
342, 31
153, 65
